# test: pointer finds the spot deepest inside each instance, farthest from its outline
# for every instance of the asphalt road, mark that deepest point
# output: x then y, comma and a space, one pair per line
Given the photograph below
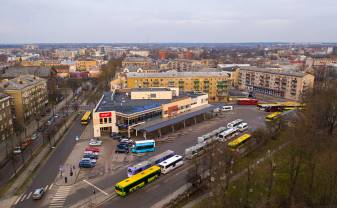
153, 193
48, 172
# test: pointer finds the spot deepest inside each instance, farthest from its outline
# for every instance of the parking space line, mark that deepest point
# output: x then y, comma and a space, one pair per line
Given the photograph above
17, 201
24, 196
29, 195
95, 187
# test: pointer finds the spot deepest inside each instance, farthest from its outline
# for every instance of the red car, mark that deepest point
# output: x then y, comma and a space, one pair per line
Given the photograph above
92, 149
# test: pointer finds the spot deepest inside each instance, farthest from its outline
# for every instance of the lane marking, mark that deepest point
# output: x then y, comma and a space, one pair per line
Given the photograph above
96, 187
29, 195
17, 201
24, 196
51, 185
46, 187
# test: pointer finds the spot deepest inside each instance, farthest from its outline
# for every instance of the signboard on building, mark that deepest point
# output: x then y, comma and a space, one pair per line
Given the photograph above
105, 115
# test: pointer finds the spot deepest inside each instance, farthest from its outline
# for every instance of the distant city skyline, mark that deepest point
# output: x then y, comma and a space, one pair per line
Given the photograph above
174, 21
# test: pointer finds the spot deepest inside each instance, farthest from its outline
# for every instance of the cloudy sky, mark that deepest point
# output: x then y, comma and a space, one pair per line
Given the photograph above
113, 21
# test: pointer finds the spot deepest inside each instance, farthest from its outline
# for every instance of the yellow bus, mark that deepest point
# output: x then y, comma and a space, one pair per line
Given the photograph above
273, 116
239, 141
137, 181
86, 118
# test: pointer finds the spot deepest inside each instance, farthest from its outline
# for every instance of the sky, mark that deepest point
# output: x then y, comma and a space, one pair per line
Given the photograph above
145, 21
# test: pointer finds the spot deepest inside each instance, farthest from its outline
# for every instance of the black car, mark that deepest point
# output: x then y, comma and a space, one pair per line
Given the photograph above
121, 148
116, 136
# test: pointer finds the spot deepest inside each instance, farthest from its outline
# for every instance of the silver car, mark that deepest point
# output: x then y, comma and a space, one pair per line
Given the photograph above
38, 193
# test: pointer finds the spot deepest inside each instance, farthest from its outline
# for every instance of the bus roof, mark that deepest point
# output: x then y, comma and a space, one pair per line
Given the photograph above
141, 164
170, 160
228, 131
161, 155
273, 115
239, 140
138, 176
144, 141
86, 115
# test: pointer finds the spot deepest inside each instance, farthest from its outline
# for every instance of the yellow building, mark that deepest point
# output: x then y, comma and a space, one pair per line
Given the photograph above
85, 65
28, 96
6, 122
215, 84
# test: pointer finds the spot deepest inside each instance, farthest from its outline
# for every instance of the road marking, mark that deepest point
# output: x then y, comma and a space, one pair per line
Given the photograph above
17, 201
29, 195
24, 196
60, 196
51, 185
46, 187
96, 187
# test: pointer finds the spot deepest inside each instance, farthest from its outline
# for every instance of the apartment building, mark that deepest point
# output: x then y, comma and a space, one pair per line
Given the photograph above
86, 65
275, 82
182, 65
137, 61
28, 96
215, 84
6, 122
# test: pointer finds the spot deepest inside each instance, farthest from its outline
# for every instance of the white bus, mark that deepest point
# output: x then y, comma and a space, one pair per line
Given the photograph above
171, 163
243, 127
234, 123
228, 134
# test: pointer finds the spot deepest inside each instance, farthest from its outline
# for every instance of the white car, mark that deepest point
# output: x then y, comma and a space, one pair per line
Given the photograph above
17, 150
227, 108
243, 127
95, 142
216, 110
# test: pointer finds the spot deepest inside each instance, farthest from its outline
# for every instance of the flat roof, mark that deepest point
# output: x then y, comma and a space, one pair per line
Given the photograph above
121, 102
150, 89
179, 74
163, 122
279, 71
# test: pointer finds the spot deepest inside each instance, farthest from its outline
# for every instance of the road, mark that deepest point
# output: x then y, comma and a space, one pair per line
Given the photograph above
46, 175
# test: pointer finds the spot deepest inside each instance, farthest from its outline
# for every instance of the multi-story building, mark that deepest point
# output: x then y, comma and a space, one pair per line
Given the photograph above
6, 122
28, 96
275, 82
142, 53
183, 65
86, 65
137, 61
215, 84
120, 110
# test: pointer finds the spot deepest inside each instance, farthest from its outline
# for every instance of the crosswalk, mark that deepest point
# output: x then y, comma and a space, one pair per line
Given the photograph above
27, 196
60, 197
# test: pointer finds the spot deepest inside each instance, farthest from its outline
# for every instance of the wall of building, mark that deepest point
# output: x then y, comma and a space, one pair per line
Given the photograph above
6, 122
104, 120
155, 95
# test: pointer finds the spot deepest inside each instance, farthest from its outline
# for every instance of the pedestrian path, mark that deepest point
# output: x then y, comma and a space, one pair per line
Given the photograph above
60, 197
28, 195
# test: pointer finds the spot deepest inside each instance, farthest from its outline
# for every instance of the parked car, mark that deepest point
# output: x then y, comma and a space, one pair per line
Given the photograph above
243, 127
17, 150
56, 115
122, 149
115, 135
38, 193
227, 108
35, 136
92, 149
26, 143
216, 110
90, 156
86, 163
95, 142
129, 142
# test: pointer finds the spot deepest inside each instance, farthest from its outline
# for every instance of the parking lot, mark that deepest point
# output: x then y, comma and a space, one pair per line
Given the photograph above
109, 161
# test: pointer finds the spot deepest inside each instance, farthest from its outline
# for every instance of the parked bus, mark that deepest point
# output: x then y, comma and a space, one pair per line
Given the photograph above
247, 101
137, 181
171, 163
263, 106
228, 134
234, 123
273, 116
236, 143
86, 118
143, 146
155, 160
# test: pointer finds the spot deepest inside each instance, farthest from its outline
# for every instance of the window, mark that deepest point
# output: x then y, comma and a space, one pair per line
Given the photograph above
110, 120
105, 120
101, 121
153, 95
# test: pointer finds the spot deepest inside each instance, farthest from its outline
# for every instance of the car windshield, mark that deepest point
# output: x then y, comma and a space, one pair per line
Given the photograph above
37, 191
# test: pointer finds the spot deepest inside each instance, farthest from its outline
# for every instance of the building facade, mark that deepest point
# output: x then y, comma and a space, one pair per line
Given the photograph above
86, 65
28, 96
137, 61
119, 111
6, 121
275, 82
215, 84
